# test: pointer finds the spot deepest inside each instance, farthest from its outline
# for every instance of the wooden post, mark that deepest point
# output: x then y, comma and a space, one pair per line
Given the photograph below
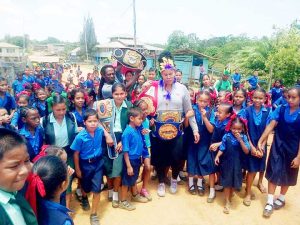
271, 76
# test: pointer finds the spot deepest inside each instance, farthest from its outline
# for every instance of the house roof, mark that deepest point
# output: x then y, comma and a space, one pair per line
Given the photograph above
7, 45
191, 52
114, 44
75, 50
42, 58
152, 48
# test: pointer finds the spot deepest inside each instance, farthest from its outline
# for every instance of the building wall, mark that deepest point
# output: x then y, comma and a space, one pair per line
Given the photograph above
10, 54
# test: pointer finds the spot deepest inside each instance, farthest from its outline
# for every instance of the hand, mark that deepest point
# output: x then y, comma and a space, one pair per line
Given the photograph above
70, 171
217, 161
189, 114
78, 173
261, 145
145, 131
196, 137
147, 84
295, 163
203, 112
80, 128
130, 171
152, 122
237, 136
109, 140
119, 147
214, 147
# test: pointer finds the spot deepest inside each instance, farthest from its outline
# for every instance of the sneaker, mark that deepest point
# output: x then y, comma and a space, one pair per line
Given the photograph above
161, 190
219, 187
94, 219
126, 205
173, 187
145, 194
78, 194
115, 204
139, 198
85, 204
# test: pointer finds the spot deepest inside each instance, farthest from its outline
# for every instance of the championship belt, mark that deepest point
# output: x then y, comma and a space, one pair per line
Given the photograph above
149, 95
129, 58
168, 125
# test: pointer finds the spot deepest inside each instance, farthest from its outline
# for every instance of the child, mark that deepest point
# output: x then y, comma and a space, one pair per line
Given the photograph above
91, 98
6, 100
151, 74
276, 91
22, 101
282, 100
5, 120
18, 84
88, 160
134, 148
32, 130
239, 98
257, 116
200, 162
234, 145
223, 114
253, 81
40, 103
147, 166
284, 157
14, 169
51, 174
78, 106
113, 116
236, 80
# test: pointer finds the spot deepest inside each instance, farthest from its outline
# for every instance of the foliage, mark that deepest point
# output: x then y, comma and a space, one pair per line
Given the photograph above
88, 38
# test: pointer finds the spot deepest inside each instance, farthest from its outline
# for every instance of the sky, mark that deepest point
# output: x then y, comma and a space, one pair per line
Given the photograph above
156, 19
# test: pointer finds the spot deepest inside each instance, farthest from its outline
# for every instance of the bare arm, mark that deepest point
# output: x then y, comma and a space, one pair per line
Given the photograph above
128, 165
76, 162
263, 139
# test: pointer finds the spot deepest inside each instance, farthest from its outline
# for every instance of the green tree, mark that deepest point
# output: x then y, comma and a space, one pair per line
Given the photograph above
88, 38
177, 40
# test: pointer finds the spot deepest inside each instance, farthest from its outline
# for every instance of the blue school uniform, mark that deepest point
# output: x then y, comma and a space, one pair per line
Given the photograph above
240, 113
16, 120
236, 79
276, 93
41, 107
57, 86
253, 81
41, 82
200, 161
257, 122
89, 84
134, 144
52, 213
146, 125
284, 147
7, 102
28, 79
90, 159
280, 101
18, 85
34, 142
231, 161
79, 117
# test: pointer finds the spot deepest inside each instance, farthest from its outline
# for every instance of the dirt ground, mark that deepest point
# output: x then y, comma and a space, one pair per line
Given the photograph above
186, 209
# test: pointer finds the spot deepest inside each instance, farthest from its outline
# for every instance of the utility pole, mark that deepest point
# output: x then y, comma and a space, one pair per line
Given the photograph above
134, 24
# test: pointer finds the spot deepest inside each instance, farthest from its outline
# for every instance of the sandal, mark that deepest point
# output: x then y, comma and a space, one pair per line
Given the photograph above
268, 212
226, 209
277, 206
192, 189
247, 201
201, 190
262, 188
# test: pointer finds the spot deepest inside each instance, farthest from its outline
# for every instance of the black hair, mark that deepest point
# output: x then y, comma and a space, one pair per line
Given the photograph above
102, 80
26, 97
103, 69
2, 79
296, 89
118, 85
203, 92
58, 99
137, 103
239, 120
24, 111
261, 90
178, 70
54, 150
91, 93
134, 112
164, 54
53, 172
28, 86
152, 70
228, 107
72, 96
242, 90
9, 140
88, 113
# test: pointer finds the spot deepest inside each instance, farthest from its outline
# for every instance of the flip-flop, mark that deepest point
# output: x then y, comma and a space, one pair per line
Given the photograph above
277, 206
261, 188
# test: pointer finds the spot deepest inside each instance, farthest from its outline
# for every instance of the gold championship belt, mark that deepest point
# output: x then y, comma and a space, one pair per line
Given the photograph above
105, 111
168, 125
129, 58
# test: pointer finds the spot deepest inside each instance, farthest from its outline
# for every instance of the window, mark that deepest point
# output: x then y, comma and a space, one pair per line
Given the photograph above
10, 50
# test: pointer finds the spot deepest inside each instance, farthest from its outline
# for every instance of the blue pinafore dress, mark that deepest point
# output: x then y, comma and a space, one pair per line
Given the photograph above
200, 161
284, 149
255, 164
231, 175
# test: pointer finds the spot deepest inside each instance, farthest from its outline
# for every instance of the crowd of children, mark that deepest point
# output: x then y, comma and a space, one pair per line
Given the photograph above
66, 131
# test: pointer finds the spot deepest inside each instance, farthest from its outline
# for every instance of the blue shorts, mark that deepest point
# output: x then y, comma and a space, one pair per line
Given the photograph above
92, 172
131, 180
